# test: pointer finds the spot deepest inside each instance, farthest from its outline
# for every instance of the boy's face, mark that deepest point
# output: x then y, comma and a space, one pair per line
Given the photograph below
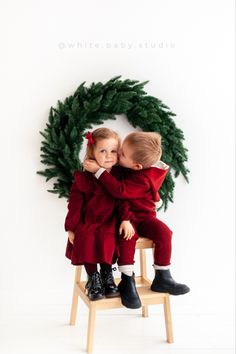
125, 157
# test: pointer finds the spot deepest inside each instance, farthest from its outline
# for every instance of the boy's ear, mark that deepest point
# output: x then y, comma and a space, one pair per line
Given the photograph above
138, 166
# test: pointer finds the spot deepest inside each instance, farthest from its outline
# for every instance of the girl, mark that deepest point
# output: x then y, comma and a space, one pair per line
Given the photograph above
91, 217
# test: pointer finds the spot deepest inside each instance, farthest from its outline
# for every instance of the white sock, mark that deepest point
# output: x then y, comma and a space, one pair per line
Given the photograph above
127, 269
156, 266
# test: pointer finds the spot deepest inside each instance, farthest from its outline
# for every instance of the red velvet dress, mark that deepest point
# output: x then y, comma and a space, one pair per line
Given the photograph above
92, 217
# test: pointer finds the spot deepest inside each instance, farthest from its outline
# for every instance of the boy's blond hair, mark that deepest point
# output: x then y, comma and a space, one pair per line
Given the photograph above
146, 147
100, 134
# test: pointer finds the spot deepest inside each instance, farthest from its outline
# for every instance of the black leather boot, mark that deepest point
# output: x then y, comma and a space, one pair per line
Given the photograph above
128, 292
110, 288
94, 287
164, 283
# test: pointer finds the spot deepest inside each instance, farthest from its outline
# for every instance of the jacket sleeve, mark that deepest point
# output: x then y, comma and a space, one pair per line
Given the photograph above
75, 203
123, 210
126, 189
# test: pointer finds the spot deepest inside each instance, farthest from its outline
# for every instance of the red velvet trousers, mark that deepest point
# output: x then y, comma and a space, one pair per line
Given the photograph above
154, 229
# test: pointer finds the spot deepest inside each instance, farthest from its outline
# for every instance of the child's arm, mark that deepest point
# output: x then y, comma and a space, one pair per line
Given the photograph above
136, 186
123, 210
76, 200
71, 236
133, 188
125, 214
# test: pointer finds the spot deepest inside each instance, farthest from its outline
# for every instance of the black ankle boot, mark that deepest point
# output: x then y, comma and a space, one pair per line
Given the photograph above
94, 287
128, 292
164, 283
109, 285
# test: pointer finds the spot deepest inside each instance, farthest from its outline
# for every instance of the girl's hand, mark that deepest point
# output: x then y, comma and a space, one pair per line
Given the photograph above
71, 236
91, 165
128, 229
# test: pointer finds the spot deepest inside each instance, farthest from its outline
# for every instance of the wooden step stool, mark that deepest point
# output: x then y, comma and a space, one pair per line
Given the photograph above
147, 297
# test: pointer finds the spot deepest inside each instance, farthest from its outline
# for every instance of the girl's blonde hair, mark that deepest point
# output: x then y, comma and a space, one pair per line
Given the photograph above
100, 134
146, 147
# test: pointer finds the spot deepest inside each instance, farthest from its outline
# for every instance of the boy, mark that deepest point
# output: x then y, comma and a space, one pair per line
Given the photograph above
143, 175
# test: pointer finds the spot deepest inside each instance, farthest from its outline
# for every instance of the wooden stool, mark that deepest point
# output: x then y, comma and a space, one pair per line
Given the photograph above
147, 296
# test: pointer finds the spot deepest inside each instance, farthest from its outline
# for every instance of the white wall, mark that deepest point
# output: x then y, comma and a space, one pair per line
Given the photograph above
190, 69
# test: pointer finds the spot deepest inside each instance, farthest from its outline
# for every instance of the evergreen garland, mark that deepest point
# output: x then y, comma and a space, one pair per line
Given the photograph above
67, 123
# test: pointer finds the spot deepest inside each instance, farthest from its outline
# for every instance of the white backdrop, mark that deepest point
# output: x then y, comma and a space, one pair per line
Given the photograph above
185, 49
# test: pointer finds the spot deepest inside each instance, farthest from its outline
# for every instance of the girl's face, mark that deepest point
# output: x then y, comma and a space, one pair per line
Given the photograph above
106, 152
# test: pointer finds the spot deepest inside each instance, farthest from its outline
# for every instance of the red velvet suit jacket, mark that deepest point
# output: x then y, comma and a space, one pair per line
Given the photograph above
139, 187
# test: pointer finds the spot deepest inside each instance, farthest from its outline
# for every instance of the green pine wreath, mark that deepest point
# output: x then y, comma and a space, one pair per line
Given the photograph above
88, 106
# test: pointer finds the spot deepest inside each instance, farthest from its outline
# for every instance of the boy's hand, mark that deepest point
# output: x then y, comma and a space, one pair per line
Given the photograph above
159, 203
71, 236
91, 165
128, 229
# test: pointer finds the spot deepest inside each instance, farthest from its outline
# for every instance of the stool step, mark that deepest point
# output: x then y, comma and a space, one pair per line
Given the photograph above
139, 280
147, 297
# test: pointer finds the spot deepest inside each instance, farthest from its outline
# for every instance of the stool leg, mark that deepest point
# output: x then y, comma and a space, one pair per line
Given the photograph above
143, 271
91, 322
145, 311
168, 321
74, 304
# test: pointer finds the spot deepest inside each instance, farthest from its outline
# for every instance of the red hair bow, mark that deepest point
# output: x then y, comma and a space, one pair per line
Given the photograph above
89, 136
